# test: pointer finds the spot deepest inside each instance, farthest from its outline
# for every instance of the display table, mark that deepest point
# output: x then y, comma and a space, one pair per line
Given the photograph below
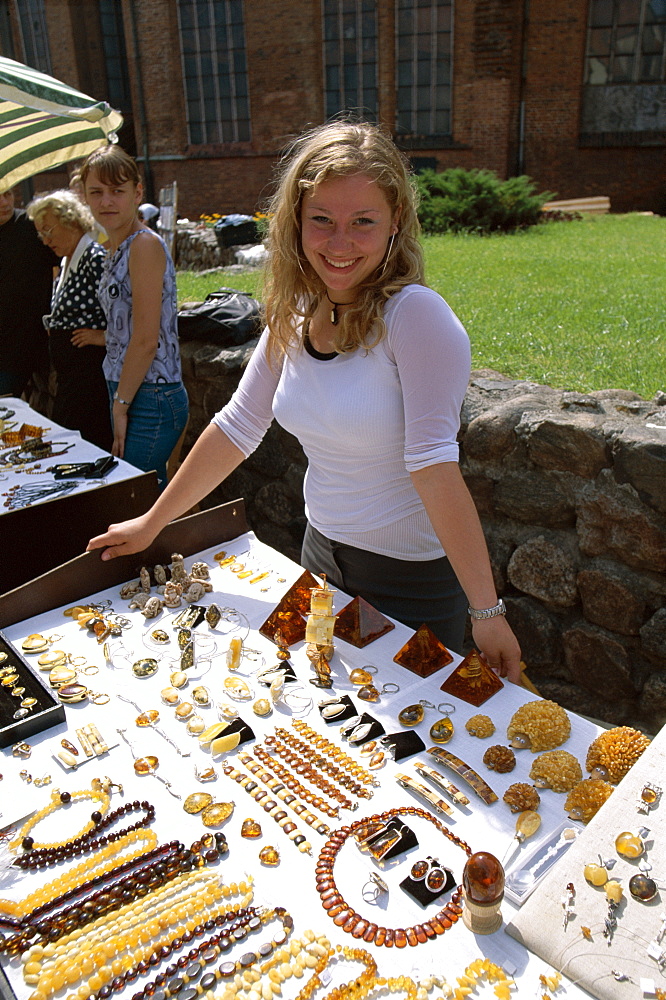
40, 529
291, 883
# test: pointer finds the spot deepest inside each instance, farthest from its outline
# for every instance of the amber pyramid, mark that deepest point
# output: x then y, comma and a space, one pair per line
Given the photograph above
360, 624
298, 596
472, 680
287, 618
423, 654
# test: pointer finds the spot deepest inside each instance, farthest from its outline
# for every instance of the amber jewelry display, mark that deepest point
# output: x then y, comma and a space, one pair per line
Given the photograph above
149, 719
330, 749
350, 921
467, 773
190, 895
311, 774
147, 765
442, 783
188, 977
286, 795
307, 771
270, 806
433, 800
285, 743
43, 857
59, 800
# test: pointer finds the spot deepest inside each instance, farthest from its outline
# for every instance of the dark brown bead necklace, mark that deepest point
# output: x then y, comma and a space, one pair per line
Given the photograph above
91, 841
344, 916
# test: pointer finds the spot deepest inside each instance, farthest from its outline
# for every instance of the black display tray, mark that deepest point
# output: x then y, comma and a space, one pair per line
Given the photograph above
48, 713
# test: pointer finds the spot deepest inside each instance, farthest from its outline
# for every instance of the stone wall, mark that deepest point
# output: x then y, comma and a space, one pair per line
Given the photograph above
570, 489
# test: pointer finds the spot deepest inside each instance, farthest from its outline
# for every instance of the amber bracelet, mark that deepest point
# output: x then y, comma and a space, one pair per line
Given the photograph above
296, 753
269, 806
330, 749
283, 793
308, 771
315, 754
352, 922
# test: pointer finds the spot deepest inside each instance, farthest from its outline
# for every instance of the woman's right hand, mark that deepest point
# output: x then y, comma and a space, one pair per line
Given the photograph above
120, 420
125, 538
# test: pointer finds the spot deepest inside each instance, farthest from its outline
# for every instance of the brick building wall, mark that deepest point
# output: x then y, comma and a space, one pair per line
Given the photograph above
508, 55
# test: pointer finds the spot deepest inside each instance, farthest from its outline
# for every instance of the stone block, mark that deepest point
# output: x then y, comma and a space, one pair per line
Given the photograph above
491, 436
590, 704
273, 502
611, 599
613, 522
535, 498
653, 698
653, 635
545, 571
598, 661
639, 459
568, 443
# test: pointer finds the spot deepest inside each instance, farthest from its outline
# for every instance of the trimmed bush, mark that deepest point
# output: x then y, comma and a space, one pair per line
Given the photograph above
477, 201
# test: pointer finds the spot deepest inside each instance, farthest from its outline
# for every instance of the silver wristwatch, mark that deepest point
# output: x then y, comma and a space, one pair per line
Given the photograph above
499, 609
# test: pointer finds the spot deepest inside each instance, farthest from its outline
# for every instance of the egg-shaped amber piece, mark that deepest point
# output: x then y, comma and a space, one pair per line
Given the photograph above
629, 845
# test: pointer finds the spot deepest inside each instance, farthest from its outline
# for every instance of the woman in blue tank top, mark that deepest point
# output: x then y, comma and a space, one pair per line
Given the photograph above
149, 406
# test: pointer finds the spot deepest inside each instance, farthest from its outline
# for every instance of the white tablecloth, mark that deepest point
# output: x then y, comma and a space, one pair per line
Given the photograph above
80, 451
291, 884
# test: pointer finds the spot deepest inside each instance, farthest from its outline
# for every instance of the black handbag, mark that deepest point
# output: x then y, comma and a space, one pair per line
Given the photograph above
227, 318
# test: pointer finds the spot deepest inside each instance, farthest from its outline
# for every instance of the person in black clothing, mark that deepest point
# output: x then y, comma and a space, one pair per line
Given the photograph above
26, 280
76, 322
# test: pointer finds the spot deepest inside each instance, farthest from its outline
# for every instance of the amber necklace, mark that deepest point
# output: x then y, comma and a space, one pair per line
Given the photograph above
344, 916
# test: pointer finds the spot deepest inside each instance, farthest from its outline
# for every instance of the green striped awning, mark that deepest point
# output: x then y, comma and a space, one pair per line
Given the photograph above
44, 123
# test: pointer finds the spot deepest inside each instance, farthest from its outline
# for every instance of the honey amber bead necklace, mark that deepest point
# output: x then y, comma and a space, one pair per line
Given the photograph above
102, 862
86, 952
57, 801
285, 794
312, 775
350, 921
269, 806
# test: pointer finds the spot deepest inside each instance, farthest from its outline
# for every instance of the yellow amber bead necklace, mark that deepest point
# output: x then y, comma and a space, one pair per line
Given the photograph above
101, 863
57, 801
85, 950
290, 960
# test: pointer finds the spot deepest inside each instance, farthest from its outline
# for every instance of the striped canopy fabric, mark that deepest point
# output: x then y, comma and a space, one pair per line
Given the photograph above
44, 123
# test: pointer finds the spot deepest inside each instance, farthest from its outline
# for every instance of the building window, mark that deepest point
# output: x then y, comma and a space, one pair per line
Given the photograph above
32, 23
212, 38
115, 55
423, 66
350, 57
626, 42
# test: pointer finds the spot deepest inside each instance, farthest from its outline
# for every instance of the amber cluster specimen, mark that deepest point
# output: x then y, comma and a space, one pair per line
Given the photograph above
615, 751
586, 799
500, 759
521, 796
543, 724
556, 769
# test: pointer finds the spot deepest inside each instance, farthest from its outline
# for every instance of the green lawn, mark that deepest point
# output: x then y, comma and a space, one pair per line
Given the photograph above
577, 305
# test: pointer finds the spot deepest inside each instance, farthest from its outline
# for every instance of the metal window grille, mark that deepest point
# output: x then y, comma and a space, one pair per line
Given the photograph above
424, 46
350, 57
626, 42
214, 60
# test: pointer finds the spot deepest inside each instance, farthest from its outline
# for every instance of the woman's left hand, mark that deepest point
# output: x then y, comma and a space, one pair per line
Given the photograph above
84, 336
495, 640
120, 420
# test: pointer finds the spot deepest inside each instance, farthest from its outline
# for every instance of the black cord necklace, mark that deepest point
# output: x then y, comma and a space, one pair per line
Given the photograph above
334, 318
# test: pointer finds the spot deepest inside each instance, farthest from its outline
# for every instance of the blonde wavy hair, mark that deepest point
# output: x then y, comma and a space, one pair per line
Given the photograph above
66, 207
293, 290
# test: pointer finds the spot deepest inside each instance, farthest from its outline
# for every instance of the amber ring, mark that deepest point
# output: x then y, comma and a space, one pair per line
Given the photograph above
374, 887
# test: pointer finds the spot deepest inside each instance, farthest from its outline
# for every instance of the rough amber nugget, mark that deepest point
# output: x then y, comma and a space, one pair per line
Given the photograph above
472, 680
360, 624
423, 654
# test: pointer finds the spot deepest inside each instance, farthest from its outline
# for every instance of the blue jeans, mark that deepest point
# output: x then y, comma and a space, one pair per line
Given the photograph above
156, 419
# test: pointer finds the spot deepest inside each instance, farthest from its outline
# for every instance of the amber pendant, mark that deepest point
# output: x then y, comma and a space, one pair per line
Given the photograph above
197, 801
442, 730
148, 718
269, 856
146, 765
250, 829
216, 813
368, 693
145, 667
361, 675
411, 715
213, 615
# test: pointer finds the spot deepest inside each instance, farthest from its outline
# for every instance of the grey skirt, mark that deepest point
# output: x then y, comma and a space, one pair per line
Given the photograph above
411, 592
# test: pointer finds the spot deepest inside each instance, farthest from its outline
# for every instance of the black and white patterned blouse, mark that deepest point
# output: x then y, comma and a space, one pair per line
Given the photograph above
75, 303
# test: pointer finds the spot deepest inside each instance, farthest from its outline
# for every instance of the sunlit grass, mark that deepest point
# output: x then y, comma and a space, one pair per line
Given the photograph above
573, 305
